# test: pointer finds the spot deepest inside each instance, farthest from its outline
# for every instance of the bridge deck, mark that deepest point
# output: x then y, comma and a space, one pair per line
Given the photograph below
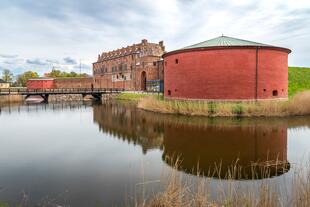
84, 91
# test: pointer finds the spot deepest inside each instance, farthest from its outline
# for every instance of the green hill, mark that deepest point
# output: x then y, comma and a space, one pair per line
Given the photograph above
298, 80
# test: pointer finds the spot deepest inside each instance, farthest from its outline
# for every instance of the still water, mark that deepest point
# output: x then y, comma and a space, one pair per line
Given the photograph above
84, 154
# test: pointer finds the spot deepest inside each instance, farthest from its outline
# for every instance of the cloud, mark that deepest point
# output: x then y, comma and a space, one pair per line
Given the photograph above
50, 30
52, 61
36, 61
83, 66
69, 61
8, 56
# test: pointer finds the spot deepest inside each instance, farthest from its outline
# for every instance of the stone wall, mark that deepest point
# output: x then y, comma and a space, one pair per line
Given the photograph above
11, 98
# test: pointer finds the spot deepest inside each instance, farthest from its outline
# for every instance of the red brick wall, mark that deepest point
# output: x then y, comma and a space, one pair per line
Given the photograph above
226, 74
139, 58
213, 146
40, 84
74, 82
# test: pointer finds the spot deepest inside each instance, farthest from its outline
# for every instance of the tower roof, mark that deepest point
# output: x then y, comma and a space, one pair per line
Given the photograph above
226, 42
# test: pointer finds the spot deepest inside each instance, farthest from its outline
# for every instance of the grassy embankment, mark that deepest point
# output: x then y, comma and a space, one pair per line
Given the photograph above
298, 103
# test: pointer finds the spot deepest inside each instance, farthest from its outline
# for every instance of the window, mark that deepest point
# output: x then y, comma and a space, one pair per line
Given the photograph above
154, 63
169, 93
165, 63
264, 89
176, 61
275, 93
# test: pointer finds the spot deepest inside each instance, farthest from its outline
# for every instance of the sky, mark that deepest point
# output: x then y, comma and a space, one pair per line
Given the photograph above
66, 34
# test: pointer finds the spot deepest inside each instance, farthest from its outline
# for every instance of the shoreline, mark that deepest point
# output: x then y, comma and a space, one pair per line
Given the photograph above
297, 105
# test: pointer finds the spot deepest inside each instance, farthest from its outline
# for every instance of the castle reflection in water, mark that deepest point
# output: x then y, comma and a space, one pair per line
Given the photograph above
201, 144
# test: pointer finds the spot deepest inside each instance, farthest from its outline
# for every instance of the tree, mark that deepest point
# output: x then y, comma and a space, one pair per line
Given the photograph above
23, 78
7, 75
62, 74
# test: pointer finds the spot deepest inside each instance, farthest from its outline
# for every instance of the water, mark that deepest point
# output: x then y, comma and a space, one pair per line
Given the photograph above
97, 155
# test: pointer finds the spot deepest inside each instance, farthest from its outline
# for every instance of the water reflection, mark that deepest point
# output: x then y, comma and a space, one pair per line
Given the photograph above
130, 124
203, 144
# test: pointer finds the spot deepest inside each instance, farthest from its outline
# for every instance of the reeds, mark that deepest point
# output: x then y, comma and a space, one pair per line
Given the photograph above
297, 105
188, 192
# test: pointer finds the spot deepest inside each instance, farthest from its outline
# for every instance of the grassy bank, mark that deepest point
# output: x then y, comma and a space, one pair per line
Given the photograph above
299, 80
299, 104
134, 96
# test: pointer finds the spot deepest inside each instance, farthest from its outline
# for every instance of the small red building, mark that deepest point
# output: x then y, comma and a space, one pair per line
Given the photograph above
40, 83
226, 68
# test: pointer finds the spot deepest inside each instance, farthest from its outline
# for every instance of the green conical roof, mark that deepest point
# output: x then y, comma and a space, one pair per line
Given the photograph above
224, 41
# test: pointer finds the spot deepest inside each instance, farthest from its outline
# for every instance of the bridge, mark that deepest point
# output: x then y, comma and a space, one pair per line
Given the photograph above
44, 93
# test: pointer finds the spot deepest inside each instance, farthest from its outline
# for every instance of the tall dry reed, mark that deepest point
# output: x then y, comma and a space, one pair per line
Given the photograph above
297, 105
188, 192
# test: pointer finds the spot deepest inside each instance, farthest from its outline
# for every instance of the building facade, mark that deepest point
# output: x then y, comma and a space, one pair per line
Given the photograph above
226, 68
130, 68
4, 84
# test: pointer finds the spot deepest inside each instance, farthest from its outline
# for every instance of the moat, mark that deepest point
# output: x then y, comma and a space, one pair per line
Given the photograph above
87, 154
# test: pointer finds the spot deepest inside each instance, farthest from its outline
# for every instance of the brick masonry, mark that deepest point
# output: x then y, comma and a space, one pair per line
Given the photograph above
129, 67
227, 74
74, 82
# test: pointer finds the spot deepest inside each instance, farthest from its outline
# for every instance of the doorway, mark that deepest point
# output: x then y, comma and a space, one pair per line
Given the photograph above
143, 81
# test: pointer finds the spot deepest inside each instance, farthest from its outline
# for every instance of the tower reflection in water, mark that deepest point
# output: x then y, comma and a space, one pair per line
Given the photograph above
212, 147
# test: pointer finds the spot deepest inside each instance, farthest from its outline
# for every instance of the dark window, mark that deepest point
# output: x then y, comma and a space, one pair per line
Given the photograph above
176, 61
264, 89
275, 93
165, 63
154, 63
169, 93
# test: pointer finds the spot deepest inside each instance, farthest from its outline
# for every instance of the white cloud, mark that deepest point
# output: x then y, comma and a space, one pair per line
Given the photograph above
53, 30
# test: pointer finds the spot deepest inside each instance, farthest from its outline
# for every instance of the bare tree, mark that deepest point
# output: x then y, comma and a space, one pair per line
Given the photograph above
7, 75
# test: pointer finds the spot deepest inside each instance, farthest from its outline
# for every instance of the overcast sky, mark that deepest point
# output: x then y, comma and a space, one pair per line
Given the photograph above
39, 34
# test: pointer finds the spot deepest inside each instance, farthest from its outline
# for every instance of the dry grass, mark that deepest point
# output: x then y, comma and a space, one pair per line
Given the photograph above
297, 105
189, 192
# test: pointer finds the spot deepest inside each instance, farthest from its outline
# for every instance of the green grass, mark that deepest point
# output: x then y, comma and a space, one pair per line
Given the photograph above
132, 96
298, 80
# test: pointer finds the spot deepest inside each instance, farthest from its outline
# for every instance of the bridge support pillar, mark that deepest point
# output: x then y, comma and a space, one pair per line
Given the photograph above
45, 97
97, 96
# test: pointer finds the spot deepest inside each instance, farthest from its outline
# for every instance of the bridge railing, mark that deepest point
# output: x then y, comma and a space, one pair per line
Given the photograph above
7, 91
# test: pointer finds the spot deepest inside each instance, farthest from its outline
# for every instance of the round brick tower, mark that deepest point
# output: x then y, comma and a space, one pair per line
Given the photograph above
226, 68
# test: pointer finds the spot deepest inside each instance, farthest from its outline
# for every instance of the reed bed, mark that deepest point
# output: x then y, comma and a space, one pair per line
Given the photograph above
185, 191
297, 105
